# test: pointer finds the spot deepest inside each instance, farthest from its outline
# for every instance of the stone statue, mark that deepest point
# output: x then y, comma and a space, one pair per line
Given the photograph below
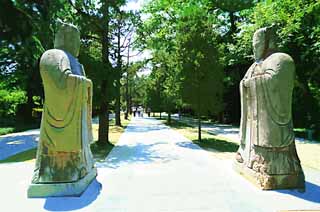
267, 153
64, 165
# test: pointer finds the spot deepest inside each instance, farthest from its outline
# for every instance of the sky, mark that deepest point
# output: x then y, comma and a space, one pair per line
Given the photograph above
133, 5
136, 5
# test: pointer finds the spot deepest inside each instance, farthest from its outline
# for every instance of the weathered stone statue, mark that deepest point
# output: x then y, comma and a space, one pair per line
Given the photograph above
64, 165
267, 153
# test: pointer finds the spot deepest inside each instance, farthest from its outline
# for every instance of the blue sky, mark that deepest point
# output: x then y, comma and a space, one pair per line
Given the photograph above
136, 5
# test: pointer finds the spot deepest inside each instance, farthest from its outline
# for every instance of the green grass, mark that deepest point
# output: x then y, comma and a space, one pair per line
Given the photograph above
208, 141
22, 156
18, 128
101, 151
6, 130
217, 144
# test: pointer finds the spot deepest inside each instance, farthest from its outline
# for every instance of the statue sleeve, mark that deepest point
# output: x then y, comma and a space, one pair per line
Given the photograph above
276, 85
63, 102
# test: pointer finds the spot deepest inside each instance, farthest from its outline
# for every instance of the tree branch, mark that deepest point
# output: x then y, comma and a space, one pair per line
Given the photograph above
91, 17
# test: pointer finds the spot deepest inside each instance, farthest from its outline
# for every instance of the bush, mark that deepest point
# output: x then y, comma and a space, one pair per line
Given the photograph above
9, 100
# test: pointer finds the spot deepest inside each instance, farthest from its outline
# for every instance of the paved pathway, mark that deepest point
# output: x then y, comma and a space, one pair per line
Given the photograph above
155, 169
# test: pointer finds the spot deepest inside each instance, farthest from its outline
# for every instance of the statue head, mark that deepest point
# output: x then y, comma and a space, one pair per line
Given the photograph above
67, 38
263, 42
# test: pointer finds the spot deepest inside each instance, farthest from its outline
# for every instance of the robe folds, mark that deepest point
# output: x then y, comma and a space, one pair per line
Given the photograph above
63, 152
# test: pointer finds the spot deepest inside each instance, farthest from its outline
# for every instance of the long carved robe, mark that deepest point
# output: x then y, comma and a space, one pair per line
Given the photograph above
63, 152
266, 130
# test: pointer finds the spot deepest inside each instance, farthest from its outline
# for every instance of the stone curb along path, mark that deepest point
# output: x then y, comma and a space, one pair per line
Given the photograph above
153, 168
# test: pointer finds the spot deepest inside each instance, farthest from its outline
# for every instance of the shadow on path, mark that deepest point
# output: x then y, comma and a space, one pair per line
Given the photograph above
189, 145
136, 128
311, 194
74, 203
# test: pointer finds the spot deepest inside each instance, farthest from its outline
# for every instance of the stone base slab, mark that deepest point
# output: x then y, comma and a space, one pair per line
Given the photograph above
271, 182
62, 189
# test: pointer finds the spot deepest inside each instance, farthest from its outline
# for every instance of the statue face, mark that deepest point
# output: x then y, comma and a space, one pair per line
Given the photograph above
259, 44
68, 38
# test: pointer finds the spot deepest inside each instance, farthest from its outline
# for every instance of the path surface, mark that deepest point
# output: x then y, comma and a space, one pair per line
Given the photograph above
155, 169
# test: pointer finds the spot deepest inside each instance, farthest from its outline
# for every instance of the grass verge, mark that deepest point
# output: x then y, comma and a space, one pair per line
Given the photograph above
221, 147
18, 128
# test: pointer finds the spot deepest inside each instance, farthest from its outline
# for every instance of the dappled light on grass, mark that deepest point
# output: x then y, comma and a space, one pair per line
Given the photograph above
116, 129
100, 151
219, 145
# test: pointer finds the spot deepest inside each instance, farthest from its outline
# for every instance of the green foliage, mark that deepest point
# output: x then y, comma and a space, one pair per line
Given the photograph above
233, 5
6, 130
201, 72
9, 100
26, 29
185, 56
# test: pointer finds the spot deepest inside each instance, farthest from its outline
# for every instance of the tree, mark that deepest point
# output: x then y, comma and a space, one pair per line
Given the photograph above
26, 31
185, 51
201, 72
96, 23
123, 28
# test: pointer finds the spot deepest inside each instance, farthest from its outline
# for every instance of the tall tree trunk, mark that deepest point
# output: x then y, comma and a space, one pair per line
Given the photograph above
169, 117
103, 137
127, 97
118, 84
199, 115
25, 113
130, 98
29, 105
104, 104
160, 115
127, 85
199, 127
233, 27
118, 104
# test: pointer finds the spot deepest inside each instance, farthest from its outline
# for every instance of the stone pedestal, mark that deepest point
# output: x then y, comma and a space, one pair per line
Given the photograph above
62, 189
265, 181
